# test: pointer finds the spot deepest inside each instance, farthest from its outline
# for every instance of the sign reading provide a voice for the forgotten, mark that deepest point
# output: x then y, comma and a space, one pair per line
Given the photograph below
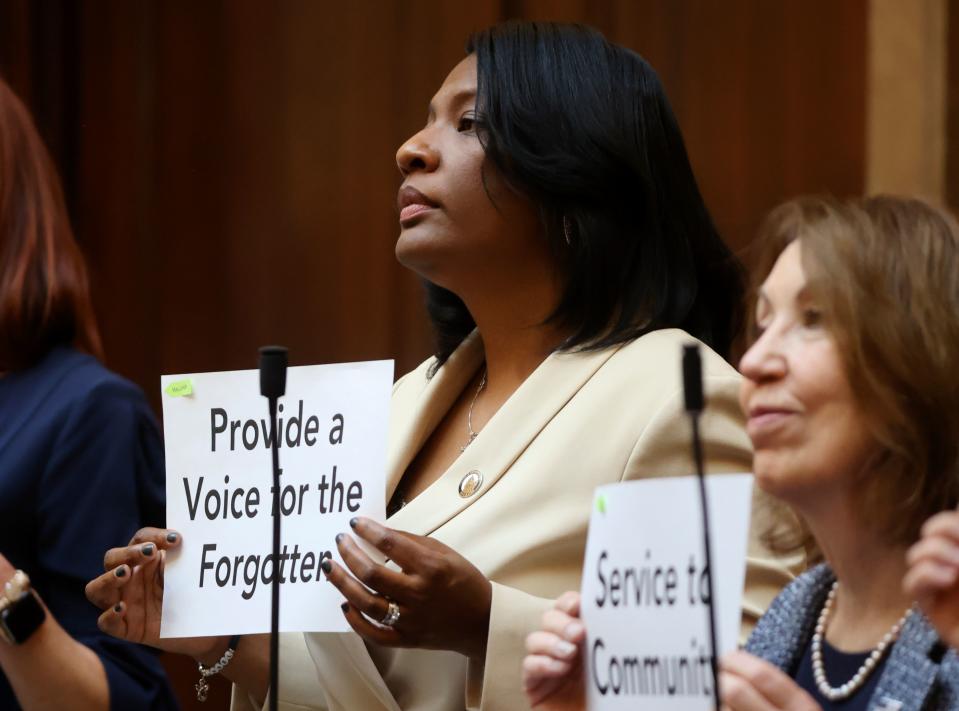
331, 429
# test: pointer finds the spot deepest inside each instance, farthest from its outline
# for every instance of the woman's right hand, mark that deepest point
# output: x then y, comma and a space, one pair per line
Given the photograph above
933, 575
130, 593
553, 669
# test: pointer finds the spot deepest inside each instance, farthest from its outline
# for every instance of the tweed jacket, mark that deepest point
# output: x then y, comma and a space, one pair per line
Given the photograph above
921, 673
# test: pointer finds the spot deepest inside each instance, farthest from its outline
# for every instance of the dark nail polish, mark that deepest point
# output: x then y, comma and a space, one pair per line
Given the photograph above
121, 572
171, 537
354, 521
118, 607
345, 607
147, 549
326, 565
339, 537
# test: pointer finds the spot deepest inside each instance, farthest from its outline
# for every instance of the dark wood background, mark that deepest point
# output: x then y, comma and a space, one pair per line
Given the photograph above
229, 164
952, 106
230, 167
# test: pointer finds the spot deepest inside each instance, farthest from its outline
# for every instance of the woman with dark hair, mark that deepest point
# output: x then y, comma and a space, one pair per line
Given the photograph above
550, 206
853, 404
81, 461
582, 129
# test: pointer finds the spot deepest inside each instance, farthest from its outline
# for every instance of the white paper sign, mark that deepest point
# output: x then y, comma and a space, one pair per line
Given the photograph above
219, 484
644, 590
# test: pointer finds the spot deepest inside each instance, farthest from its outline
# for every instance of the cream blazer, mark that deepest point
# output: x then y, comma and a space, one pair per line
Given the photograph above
580, 420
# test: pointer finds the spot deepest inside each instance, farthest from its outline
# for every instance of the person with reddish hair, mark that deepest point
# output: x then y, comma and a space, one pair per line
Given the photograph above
81, 460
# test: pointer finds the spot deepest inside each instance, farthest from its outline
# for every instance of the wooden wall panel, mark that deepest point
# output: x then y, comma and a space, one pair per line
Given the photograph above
15, 44
38, 50
247, 191
114, 218
952, 106
234, 160
906, 108
770, 95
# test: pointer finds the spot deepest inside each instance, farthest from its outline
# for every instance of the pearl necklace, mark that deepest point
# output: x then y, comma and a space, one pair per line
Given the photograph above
858, 679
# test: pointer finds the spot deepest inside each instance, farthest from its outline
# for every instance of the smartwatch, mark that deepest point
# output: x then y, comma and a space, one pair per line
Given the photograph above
21, 612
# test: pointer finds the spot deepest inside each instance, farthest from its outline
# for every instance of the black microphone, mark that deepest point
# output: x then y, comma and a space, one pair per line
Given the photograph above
273, 362
692, 379
695, 403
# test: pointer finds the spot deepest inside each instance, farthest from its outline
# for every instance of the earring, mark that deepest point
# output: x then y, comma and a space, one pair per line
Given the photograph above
567, 230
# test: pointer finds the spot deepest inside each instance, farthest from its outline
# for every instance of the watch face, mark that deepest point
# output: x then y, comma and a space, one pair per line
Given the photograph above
22, 618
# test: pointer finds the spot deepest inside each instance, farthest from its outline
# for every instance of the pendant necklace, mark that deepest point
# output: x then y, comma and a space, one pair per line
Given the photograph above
469, 416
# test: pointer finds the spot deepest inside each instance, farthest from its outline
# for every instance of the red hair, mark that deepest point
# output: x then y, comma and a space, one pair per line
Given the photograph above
44, 289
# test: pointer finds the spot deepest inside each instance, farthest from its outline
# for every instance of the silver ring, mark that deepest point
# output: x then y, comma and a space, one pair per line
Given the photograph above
15, 587
392, 615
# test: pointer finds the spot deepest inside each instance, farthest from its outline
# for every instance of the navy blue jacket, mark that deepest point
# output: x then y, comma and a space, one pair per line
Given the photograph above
81, 469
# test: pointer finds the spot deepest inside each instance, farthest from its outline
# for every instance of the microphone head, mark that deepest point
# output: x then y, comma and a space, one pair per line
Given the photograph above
692, 378
273, 360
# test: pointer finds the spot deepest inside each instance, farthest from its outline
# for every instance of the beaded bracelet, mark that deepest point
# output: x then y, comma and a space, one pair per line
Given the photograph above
202, 686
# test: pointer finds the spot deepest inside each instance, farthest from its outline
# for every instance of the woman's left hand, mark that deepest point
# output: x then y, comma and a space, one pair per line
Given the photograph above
748, 683
933, 575
443, 599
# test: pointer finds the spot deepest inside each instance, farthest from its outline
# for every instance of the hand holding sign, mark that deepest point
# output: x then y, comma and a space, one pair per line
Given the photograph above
131, 593
933, 576
444, 601
748, 683
553, 669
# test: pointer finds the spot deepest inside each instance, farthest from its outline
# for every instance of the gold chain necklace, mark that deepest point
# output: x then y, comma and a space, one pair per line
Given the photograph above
469, 416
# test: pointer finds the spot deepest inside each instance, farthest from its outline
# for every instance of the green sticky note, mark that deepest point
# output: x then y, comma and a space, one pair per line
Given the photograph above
180, 388
601, 503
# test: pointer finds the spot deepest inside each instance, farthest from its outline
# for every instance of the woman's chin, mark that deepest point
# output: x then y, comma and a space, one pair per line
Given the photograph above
776, 475
415, 252
798, 475
425, 258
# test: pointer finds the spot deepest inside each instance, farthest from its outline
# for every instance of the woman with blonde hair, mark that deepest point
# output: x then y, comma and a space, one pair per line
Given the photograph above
852, 402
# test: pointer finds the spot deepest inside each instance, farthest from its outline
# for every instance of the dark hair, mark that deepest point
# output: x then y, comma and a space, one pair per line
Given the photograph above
583, 128
44, 293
